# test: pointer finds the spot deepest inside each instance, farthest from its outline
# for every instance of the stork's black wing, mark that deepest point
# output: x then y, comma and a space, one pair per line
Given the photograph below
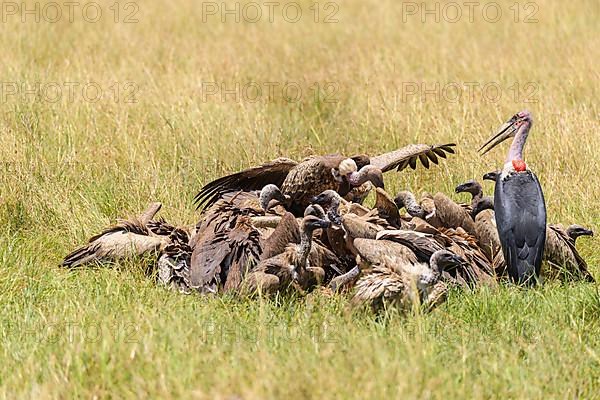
521, 221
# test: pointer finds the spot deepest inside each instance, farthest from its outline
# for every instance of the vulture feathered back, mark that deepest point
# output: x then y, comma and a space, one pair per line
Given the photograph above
127, 238
226, 244
476, 268
562, 255
482, 211
404, 284
452, 215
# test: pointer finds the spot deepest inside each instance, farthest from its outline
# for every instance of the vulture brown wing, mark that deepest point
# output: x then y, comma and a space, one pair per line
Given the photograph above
221, 260
409, 155
387, 209
254, 178
384, 252
452, 215
286, 232
422, 244
206, 272
122, 225
245, 252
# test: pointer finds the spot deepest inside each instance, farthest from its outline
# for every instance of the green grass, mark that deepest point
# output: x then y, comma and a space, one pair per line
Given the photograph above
70, 168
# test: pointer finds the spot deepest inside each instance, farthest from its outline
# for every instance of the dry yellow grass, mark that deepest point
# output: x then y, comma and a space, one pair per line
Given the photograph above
72, 166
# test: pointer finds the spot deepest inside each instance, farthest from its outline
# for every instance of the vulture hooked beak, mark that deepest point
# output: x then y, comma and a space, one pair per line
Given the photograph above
323, 223
310, 223
449, 261
463, 187
491, 176
575, 231
507, 130
458, 260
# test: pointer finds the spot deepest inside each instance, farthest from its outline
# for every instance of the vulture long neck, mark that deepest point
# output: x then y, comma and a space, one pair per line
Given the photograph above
412, 207
358, 178
427, 280
433, 264
477, 196
485, 203
333, 211
304, 247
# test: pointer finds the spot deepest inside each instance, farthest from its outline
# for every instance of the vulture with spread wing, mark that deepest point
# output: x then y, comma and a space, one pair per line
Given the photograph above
300, 182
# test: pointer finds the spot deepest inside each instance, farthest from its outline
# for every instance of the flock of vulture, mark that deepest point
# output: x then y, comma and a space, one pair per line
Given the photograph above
288, 226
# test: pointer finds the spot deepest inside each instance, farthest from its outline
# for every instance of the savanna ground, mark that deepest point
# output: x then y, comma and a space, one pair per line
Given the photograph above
72, 165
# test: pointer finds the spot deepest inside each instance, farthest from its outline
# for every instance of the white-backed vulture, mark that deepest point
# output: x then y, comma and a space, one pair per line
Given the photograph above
125, 239
300, 182
562, 255
448, 214
407, 200
292, 267
404, 284
476, 268
482, 212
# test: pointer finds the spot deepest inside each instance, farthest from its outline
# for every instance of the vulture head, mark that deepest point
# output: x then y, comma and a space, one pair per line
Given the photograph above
368, 173
442, 260
406, 199
347, 169
574, 231
439, 261
344, 169
315, 210
330, 199
271, 195
310, 223
472, 187
491, 176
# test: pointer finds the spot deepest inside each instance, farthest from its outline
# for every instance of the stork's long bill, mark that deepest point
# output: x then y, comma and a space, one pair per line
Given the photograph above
518, 127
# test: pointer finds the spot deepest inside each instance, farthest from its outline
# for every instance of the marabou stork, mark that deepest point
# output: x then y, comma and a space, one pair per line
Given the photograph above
519, 204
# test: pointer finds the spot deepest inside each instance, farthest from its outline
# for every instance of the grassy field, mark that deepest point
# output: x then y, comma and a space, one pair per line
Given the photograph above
187, 97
